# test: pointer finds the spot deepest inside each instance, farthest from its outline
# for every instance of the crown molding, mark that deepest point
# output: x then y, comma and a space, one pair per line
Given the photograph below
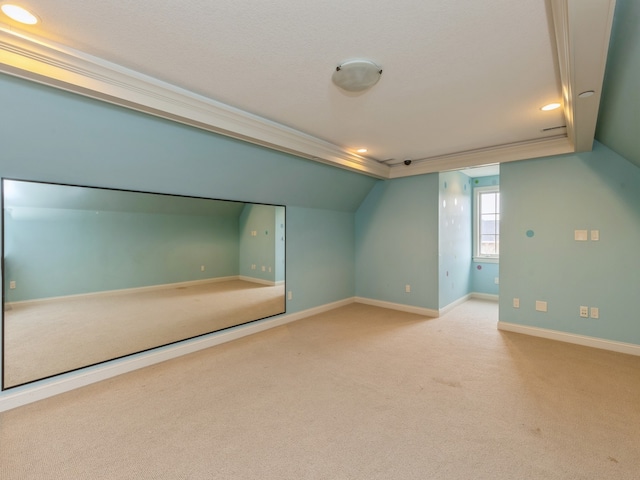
62, 67
582, 31
485, 156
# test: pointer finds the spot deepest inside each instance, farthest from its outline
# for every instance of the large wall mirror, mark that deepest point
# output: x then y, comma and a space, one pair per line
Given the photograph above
93, 274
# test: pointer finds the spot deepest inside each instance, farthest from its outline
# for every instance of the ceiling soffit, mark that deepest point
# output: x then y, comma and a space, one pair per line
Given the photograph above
582, 29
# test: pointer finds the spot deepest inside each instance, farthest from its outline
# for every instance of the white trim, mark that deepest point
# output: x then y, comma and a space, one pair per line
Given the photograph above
477, 192
454, 304
486, 259
614, 346
56, 65
582, 31
427, 312
257, 280
485, 296
26, 394
485, 156
122, 291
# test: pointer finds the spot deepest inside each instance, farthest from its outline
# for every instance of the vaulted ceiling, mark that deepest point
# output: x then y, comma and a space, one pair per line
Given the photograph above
462, 82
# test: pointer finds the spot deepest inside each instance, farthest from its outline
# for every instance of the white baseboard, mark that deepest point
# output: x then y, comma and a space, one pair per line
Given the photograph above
427, 312
454, 304
485, 296
461, 300
121, 291
271, 283
33, 392
614, 346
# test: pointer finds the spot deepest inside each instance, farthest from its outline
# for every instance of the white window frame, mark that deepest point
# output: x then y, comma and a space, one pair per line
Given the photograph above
477, 191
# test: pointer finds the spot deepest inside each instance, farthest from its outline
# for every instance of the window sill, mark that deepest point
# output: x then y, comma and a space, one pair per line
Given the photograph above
486, 260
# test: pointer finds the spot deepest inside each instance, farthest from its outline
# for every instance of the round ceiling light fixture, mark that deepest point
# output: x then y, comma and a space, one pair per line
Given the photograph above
356, 75
19, 14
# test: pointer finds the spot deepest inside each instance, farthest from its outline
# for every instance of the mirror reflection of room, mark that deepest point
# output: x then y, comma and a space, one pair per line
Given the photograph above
93, 274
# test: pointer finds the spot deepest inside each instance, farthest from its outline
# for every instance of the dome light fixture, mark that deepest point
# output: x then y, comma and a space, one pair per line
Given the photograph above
19, 14
356, 75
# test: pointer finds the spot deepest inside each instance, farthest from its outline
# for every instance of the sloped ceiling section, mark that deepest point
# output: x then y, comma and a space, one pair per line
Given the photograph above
619, 119
475, 101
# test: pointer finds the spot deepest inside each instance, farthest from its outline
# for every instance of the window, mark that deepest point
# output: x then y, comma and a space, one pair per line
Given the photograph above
486, 231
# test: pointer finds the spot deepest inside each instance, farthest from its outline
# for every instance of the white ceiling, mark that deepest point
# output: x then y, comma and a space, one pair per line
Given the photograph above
461, 79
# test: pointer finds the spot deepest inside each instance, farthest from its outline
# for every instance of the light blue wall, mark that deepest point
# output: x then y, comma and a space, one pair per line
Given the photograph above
280, 244
56, 252
455, 237
483, 277
50, 135
552, 198
54, 136
322, 254
619, 118
258, 249
397, 242
483, 274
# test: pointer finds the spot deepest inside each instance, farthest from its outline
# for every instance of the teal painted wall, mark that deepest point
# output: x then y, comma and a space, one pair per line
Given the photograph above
397, 242
454, 237
50, 135
56, 252
266, 247
483, 278
280, 244
322, 256
258, 249
619, 117
552, 198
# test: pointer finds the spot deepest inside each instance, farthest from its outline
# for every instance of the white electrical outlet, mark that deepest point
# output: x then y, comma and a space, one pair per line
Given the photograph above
12, 284
496, 280
290, 295
407, 288
584, 311
595, 235
202, 268
595, 312
516, 303
264, 269
541, 306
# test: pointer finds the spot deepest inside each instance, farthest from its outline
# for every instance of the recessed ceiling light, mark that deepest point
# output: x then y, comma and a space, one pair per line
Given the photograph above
551, 106
19, 14
362, 150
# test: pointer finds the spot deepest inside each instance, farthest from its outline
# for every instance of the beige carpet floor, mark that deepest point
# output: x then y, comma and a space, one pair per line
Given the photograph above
45, 338
356, 393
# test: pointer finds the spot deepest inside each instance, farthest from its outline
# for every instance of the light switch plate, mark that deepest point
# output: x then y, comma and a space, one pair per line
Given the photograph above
541, 306
581, 235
